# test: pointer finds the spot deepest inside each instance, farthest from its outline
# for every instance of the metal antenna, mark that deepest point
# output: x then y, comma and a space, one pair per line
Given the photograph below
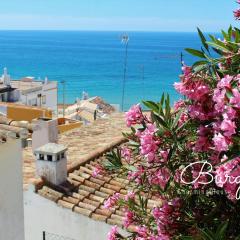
125, 40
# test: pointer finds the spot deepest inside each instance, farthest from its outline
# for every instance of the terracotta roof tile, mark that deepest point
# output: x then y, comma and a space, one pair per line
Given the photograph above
14, 129
98, 217
104, 212
65, 204
87, 206
89, 193
101, 194
82, 211
114, 222
85, 144
89, 196
112, 187
106, 190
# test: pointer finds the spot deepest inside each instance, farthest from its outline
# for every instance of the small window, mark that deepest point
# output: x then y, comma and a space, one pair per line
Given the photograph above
58, 157
41, 157
62, 155
49, 158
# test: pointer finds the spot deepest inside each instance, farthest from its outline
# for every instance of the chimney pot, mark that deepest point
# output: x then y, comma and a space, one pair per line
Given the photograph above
51, 163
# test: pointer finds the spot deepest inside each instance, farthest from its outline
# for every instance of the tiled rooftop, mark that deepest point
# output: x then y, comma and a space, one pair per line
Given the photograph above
13, 129
84, 144
89, 193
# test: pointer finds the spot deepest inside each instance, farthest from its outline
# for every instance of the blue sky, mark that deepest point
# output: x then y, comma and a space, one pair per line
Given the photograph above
124, 15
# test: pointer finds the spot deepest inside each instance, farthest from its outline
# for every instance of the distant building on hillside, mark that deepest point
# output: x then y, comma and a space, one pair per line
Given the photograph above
28, 91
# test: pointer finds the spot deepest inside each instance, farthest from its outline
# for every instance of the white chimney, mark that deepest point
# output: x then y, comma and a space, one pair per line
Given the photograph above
51, 163
6, 78
46, 132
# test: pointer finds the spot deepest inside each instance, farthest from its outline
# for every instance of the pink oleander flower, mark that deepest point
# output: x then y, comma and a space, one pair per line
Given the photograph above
166, 218
159, 177
134, 115
235, 100
126, 153
227, 177
228, 127
237, 14
187, 70
128, 218
218, 98
112, 201
142, 231
230, 113
203, 144
149, 144
112, 235
220, 142
183, 119
130, 196
159, 237
197, 112
178, 105
97, 171
164, 155
225, 82
136, 175
194, 90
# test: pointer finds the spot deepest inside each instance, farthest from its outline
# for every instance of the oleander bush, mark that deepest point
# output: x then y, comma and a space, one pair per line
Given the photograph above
189, 154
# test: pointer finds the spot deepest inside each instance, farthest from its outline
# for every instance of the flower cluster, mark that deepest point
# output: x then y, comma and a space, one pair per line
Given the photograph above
112, 201
167, 218
237, 12
203, 126
134, 115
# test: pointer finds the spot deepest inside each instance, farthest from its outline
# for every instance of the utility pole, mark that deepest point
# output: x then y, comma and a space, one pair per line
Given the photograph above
125, 40
143, 79
63, 96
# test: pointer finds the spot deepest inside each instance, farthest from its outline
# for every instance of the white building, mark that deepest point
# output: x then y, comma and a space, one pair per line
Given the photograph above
11, 182
29, 91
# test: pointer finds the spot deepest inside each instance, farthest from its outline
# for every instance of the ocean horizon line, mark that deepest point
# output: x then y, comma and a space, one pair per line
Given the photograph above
104, 31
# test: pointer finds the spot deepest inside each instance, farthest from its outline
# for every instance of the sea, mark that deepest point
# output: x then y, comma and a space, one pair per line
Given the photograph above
94, 62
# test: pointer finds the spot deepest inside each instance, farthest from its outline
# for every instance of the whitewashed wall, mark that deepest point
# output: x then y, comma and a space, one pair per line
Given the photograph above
49, 90
11, 193
44, 215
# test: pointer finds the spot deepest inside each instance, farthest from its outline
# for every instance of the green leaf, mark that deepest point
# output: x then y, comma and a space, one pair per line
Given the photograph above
207, 235
159, 120
218, 46
230, 31
237, 35
203, 39
195, 52
151, 105
225, 35
221, 231
199, 64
